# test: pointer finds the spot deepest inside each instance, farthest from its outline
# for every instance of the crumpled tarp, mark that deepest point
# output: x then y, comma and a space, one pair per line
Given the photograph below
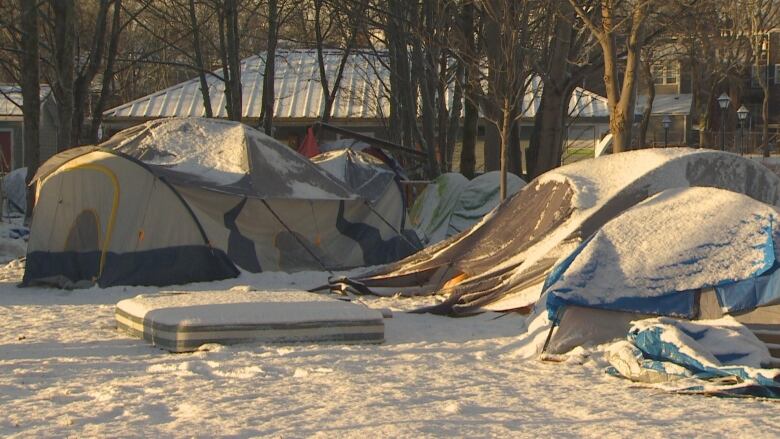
719, 357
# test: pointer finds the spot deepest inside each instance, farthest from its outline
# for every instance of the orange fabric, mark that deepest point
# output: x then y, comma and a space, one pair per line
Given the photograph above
455, 280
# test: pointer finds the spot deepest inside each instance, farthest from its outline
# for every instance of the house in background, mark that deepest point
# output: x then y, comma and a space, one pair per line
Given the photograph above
362, 103
12, 126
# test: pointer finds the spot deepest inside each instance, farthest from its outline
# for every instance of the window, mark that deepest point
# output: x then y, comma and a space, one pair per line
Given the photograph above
754, 72
777, 73
666, 74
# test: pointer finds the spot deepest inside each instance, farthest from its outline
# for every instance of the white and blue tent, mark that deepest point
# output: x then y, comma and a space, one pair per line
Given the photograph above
688, 253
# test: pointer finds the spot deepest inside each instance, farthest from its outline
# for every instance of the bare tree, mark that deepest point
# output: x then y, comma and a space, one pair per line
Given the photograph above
63, 44
607, 22
198, 52
30, 83
762, 17
269, 74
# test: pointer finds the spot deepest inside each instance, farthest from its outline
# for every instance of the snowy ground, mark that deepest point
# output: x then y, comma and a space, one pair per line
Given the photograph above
65, 371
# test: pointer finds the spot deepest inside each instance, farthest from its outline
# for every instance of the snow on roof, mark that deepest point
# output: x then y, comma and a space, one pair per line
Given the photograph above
298, 94
11, 98
673, 105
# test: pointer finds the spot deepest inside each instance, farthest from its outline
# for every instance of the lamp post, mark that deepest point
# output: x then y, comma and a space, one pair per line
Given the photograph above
742, 114
666, 122
723, 103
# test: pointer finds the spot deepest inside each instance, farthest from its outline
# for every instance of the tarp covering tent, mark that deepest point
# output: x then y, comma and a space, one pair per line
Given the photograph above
501, 263
370, 178
687, 252
183, 200
656, 257
452, 203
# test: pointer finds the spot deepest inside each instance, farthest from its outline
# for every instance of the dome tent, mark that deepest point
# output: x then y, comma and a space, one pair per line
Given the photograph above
183, 200
452, 203
655, 260
369, 177
501, 262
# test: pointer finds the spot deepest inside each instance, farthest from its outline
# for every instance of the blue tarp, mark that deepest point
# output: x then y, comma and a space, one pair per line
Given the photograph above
630, 266
721, 353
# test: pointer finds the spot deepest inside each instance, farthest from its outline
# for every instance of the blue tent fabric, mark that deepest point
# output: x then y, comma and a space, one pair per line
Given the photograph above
632, 267
751, 293
722, 353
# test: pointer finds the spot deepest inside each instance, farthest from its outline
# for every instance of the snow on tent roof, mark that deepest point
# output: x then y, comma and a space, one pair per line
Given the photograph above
298, 94
361, 172
502, 261
226, 154
651, 257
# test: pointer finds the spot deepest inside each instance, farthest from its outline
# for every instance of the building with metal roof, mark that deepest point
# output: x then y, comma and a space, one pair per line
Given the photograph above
362, 102
12, 126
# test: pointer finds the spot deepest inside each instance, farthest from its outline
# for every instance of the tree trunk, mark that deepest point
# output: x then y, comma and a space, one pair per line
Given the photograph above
505, 131
269, 74
234, 61
765, 118
83, 80
223, 55
471, 112
64, 54
31, 105
204, 85
647, 76
108, 73
454, 117
329, 92
468, 159
428, 111
550, 129
621, 98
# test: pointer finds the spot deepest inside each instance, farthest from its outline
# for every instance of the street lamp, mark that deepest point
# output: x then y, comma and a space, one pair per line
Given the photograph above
742, 115
723, 103
666, 122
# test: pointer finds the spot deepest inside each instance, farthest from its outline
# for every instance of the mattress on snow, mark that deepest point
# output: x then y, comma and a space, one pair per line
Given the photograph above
183, 321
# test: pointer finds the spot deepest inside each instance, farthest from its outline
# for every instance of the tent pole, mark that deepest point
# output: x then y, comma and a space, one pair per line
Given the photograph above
295, 236
411, 244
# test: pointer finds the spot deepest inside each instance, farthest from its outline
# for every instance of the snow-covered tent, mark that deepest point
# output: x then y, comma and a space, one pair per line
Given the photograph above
184, 200
685, 252
370, 178
452, 203
502, 262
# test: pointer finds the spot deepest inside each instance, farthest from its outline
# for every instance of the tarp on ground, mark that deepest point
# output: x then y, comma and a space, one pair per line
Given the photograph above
452, 203
720, 357
184, 200
655, 257
503, 261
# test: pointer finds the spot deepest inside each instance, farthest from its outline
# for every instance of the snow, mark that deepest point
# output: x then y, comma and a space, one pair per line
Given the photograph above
714, 338
212, 149
66, 371
598, 180
679, 240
